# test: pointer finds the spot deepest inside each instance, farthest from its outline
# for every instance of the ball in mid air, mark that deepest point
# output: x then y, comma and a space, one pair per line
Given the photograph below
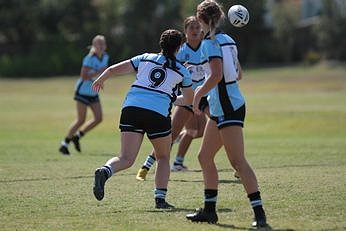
238, 15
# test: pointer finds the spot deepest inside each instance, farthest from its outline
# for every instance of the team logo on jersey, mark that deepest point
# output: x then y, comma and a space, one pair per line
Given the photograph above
187, 57
157, 76
221, 118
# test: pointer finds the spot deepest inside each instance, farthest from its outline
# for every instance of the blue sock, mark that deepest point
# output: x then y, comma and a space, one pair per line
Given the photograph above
160, 193
179, 160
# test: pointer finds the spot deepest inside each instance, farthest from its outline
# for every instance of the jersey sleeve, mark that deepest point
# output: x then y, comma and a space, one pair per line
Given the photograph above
187, 79
211, 49
87, 61
180, 56
136, 60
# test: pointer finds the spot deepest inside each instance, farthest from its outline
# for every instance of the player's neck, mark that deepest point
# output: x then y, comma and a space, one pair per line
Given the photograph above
99, 54
194, 43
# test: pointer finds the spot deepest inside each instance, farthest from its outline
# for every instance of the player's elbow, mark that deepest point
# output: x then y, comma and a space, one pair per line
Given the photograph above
218, 76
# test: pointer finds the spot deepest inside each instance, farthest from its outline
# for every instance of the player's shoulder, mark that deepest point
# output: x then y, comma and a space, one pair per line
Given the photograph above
150, 56
88, 56
105, 55
182, 69
184, 47
224, 38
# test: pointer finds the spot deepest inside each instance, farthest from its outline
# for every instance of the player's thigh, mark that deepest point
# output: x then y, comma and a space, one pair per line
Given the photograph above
81, 110
233, 140
162, 146
211, 142
130, 145
96, 108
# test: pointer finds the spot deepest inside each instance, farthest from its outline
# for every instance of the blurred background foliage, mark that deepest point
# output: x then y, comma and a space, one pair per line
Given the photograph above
49, 37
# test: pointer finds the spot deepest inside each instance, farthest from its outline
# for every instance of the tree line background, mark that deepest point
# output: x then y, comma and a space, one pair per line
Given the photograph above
49, 37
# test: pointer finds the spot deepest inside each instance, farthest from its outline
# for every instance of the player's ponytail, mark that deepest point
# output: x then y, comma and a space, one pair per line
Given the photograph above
211, 13
170, 41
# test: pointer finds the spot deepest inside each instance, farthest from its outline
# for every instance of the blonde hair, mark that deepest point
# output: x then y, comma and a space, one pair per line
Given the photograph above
211, 13
94, 41
189, 20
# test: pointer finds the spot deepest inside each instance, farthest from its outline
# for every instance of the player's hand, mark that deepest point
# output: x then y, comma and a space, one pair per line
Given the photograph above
188, 66
97, 85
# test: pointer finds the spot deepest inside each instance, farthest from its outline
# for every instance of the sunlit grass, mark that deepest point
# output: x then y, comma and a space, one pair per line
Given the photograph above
295, 140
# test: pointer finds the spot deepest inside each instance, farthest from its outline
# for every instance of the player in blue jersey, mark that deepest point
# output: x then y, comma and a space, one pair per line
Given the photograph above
227, 114
93, 65
189, 55
146, 109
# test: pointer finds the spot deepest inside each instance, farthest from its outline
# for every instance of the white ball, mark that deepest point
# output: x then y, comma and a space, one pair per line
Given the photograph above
238, 15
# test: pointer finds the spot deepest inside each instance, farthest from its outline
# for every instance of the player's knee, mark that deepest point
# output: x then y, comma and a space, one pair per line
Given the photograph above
199, 134
128, 162
162, 158
203, 159
238, 164
80, 122
192, 133
98, 119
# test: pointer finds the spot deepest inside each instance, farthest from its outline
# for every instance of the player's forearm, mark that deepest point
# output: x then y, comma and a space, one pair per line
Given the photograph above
209, 84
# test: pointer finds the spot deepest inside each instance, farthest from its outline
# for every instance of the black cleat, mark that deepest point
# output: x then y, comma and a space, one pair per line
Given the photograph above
75, 141
99, 183
64, 150
162, 204
260, 221
202, 216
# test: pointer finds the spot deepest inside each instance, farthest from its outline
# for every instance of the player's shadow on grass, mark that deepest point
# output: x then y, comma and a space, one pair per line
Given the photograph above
44, 179
267, 228
219, 170
201, 181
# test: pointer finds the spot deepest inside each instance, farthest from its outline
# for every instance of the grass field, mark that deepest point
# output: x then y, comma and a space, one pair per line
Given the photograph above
295, 140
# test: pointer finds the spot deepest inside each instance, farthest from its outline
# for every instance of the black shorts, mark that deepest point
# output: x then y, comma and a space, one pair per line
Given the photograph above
236, 118
87, 100
203, 104
140, 120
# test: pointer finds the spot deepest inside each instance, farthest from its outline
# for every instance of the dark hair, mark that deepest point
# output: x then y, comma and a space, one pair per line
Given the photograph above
170, 41
211, 13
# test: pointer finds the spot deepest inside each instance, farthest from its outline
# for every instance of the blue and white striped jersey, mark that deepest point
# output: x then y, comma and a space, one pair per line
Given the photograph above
227, 93
154, 88
83, 87
192, 57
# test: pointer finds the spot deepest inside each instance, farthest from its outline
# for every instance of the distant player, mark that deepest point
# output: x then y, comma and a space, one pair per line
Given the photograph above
147, 110
189, 55
227, 114
93, 65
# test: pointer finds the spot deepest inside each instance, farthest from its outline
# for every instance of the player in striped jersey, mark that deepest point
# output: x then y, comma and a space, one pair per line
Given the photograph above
189, 55
227, 114
93, 65
147, 109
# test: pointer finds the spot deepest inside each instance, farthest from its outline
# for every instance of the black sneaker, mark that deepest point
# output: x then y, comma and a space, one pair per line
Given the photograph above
202, 216
162, 204
99, 183
260, 221
64, 150
75, 141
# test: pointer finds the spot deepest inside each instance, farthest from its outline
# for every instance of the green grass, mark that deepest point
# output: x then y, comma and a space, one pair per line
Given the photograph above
295, 140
